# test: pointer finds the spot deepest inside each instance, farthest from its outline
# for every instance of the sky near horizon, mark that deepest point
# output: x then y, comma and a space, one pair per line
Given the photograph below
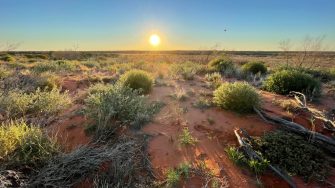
181, 24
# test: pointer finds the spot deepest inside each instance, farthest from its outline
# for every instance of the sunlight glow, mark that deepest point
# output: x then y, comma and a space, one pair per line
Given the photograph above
154, 40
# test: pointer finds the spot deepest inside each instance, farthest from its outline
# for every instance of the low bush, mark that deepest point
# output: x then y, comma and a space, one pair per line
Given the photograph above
284, 81
4, 73
214, 79
51, 102
91, 64
21, 144
294, 154
27, 82
54, 66
37, 56
8, 58
187, 70
118, 103
48, 81
239, 97
137, 79
221, 64
322, 74
254, 67
99, 88
41, 102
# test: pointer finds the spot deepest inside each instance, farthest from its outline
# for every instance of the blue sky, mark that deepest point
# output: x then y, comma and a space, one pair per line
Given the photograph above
181, 24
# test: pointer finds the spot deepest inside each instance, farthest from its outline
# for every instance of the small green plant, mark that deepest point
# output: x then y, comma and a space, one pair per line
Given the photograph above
186, 138
21, 144
258, 166
254, 67
179, 94
137, 79
284, 81
184, 169
239, 97
202, 103
235, 155
214, 79
172, 177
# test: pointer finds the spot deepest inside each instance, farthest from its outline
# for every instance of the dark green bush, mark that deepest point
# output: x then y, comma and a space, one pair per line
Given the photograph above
323, 74
294, 154
137, 79
254, 67
284, 81
239, 97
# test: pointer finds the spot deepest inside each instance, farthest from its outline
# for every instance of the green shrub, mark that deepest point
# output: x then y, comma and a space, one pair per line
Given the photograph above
239, 97
322, 74
294, 154
42, 102
284, 81
172, 177
99, 88
21, 144
48, 80
16, 103
254, 67
214, 79
8, 58
235, 155
221, 64
137, 79
118, 103
37, 56
51, 102
91, 64
4, 73
186, 137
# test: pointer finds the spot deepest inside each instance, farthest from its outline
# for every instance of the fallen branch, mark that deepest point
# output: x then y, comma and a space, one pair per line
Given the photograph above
317, 138
301, 100
253, 155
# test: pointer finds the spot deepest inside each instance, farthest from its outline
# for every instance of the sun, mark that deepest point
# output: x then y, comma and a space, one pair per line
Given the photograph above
154, 40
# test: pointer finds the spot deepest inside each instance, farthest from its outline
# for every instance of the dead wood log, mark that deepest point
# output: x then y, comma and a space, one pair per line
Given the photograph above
301, 100
314, 137
253, 155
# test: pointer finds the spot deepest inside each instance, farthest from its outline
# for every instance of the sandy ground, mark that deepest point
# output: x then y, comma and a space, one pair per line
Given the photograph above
212, 127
